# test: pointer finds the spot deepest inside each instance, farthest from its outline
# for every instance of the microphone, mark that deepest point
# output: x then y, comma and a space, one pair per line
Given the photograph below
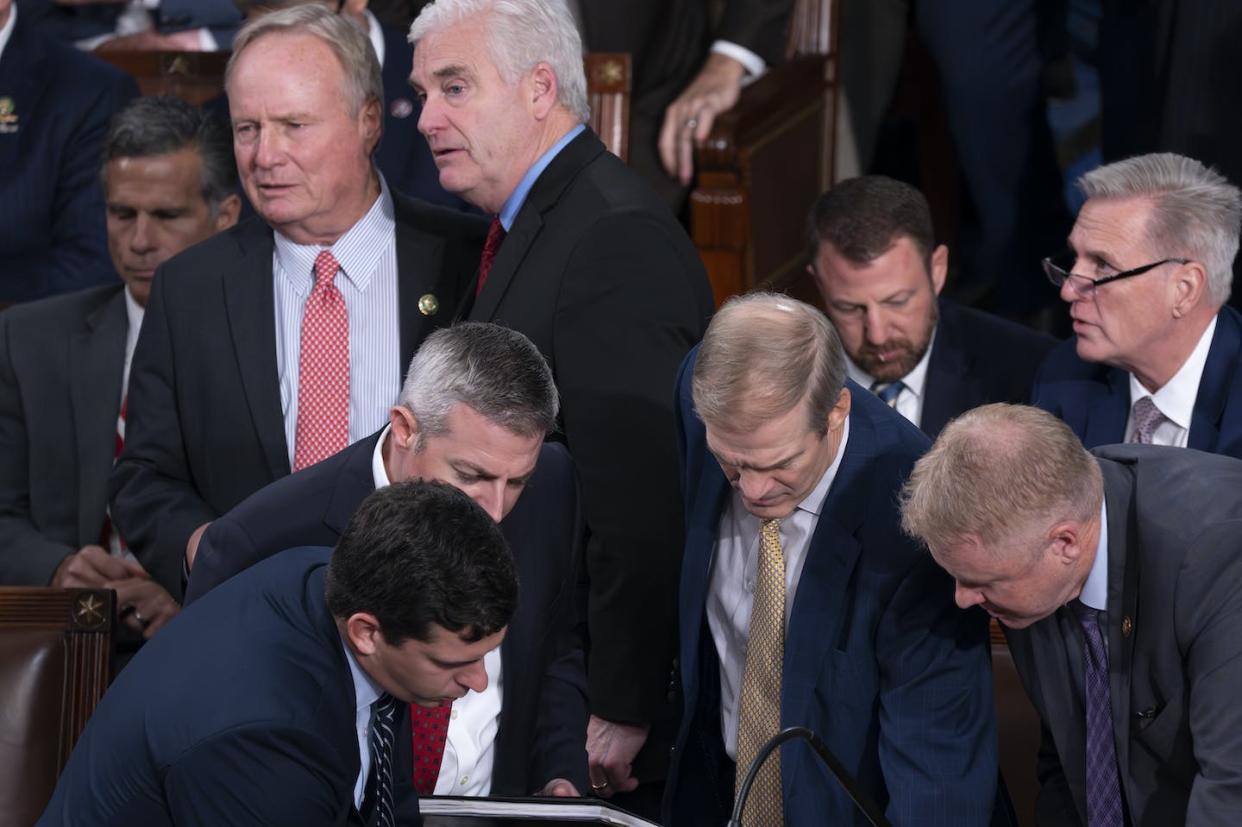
860, 798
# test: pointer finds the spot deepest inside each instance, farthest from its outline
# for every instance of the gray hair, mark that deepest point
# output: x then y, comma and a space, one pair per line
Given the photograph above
1000, 473
1196, 213
152, 126
494, 370
521, 34
764, 353
352, 47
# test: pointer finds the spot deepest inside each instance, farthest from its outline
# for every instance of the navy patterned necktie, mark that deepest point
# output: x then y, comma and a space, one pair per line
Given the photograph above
382, 725
1103, 784
888, 391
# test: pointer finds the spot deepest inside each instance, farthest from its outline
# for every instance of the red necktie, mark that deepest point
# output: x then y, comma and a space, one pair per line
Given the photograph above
111, 538
495, 235
323, 369
429, 729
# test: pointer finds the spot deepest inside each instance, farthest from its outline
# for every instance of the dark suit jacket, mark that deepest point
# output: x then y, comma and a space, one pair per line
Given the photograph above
1094, 399
70, 23
543, 718
240, 712
978, 358
51, 203
603, 280
205, 428
61, 364
669, 40
879, 661
1174, 600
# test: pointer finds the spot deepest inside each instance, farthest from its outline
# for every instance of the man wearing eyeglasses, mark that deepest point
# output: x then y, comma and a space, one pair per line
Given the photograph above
1156, 356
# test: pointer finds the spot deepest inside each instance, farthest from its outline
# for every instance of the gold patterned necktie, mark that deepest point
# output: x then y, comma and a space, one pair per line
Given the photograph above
760, 715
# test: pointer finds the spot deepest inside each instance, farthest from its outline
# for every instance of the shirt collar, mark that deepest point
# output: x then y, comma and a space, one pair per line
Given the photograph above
376, 35
1176, 400
814, 502
358, 251
517, 198
134, 313
1095, 590
7, 31
378, 472
914, 381
366, 691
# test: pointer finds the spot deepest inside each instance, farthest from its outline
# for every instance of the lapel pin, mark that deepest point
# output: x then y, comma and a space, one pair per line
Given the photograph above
1127, 626
8, 117
428, 305
401, 108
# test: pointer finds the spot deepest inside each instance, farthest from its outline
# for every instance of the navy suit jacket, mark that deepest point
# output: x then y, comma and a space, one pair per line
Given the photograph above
240, 712
205, 428
879, 661
542, 729
52, 236
1094, 398
978, 358
61, 364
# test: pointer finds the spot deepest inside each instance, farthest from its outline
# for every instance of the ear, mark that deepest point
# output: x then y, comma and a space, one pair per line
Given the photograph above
840, 411
227, 212
1065, 540
543, 88
1189, 284
354, 9
404, 427
939, 267
362, 630
371, 122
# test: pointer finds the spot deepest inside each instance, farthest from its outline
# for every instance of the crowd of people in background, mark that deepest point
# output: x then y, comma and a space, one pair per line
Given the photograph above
402, 419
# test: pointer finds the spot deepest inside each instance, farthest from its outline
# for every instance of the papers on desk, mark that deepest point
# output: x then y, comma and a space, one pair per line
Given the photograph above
539, 809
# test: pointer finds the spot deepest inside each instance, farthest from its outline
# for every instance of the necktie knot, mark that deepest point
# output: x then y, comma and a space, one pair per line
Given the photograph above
326, 266
1146, 418
888, 391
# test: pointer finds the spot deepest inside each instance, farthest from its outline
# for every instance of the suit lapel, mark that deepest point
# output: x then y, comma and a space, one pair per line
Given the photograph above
948, 388
702, 529
1108, 408
547, 190
1123, 583
420, 262
354, 480
1215, 383
96, 367
250, 307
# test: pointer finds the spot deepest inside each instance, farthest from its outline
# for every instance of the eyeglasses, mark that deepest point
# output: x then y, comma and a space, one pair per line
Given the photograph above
1057, 268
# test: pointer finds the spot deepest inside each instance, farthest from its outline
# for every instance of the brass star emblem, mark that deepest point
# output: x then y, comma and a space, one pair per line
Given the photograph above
611, 72
88, 610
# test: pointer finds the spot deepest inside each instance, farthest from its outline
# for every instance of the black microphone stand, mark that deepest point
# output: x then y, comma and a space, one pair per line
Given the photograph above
860, 799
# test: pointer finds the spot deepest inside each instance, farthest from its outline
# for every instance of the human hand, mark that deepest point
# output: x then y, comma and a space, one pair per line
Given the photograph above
559, 788
688, 119
611, 749
191, 545
144, 605
92, 567
186, 41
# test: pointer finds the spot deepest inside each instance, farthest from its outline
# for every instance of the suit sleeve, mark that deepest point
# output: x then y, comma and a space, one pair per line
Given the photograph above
224, 550
762, 26
27, 558
1208, 609
269, 776
937, 723
154, 500
627, 315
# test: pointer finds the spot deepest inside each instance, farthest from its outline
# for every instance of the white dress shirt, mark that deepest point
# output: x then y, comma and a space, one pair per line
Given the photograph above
368, 281
731, 583
470, 750
910, 400
366, 692
1176, 400
134, 312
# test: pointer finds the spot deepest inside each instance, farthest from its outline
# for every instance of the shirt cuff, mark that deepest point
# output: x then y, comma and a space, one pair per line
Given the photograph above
750, 61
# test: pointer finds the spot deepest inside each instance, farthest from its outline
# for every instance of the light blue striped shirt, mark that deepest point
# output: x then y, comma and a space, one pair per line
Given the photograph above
368, 281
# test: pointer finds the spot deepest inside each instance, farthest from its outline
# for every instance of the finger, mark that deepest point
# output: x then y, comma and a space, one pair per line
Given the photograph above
157, 623
685, 155
102, 564
668, 139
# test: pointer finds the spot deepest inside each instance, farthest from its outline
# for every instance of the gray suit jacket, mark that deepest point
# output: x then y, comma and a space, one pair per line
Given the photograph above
61, 362
1174, 603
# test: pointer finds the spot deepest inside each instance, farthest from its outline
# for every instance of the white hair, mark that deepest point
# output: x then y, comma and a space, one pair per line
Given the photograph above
1196, 213
521, 34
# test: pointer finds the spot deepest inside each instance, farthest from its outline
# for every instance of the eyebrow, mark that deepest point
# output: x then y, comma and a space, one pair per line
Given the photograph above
750, 467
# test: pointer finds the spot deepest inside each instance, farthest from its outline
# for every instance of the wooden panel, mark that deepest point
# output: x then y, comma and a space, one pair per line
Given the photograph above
609, 84
195, 76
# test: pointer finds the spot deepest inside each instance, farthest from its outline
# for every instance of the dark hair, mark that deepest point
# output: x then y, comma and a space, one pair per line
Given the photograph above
417, 553
863, 217
159, 125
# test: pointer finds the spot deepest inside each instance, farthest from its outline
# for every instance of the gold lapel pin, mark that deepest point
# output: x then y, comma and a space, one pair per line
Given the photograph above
1127, 626
428, 305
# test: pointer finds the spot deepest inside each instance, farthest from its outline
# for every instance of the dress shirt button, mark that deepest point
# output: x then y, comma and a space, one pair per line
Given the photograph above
453, 714
749, 585
465, 779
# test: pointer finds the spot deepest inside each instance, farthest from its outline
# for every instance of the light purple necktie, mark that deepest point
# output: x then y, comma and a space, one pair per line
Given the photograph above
1147, 418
